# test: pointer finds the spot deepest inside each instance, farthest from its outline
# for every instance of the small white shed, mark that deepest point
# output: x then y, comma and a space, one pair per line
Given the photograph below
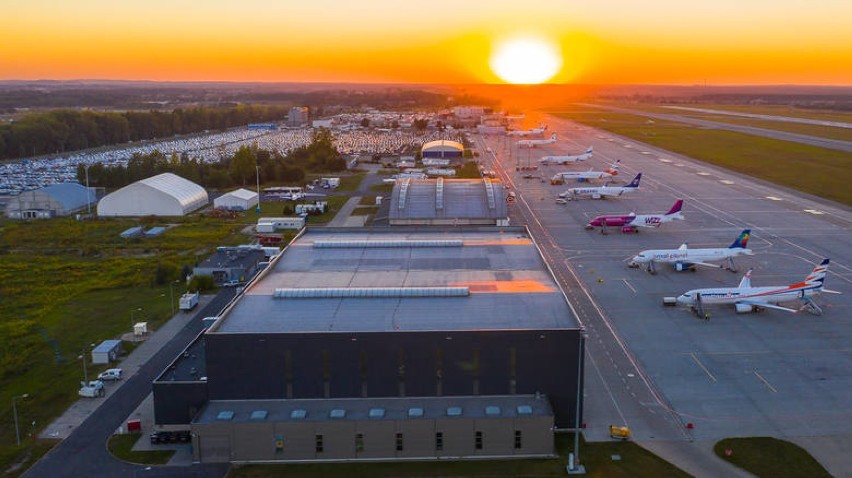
239, 200
108, 351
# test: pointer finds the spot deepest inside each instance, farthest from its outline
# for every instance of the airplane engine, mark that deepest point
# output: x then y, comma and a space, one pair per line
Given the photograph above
627, 229
680, 267
744, 308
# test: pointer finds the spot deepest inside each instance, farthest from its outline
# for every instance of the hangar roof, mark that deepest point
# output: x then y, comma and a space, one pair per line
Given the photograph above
401, 408
448, 199
241, 193
401, 279
443, 145
185, 191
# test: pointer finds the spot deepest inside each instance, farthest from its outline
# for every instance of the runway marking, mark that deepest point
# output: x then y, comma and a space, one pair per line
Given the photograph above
726, 181
628, 285
768, 385
664, 160
814, 211
695, 358
773, 198
646, 152
702, 173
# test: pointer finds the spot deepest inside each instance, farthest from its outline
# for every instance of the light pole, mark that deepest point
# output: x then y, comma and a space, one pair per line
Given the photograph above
172, 295
15, 413
574, 466
133, 311
257, 169
88, 192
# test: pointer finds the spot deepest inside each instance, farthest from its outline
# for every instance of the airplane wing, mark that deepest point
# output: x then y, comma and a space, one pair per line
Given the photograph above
767, 305
705, 264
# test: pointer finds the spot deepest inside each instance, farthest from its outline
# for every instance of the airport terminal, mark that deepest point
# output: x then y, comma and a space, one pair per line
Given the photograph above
386, 339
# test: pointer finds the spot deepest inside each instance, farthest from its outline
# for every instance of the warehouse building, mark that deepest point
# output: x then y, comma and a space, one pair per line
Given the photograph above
453, 202
231, 263
51, 201
442, 149
462, 332
166, 194
238, 200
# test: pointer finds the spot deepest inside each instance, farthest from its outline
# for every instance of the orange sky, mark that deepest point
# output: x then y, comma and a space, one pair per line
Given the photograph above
439, 41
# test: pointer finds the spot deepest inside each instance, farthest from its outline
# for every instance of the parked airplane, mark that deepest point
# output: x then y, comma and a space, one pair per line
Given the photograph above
567, 159
539, 130
580, 176
632, 222
532, 143
604, 191
684, 258
753, 299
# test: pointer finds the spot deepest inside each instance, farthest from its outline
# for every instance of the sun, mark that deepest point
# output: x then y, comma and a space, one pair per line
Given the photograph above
526, 60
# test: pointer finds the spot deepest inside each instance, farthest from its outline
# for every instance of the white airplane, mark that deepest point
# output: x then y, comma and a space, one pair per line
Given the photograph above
530, 132
567, 159
754, 299
632, 222
580, 176
684, 258
602, 192
532, 143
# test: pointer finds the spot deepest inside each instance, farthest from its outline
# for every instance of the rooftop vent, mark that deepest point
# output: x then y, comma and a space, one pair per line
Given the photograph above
489, 191
368, 244
258, 415
225, 415
403, 191
415, 412
524, 410
368, 292
337, 413
454, 411
439, 194
376, 413
492, 411
298, 414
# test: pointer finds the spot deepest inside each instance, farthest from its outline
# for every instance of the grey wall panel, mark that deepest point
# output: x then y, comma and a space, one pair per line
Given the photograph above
253, 442
177, 403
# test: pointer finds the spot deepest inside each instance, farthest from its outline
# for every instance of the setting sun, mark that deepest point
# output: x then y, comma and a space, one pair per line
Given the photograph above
526, 60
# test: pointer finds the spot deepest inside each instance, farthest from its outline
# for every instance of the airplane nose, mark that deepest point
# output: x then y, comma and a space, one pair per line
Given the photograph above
683, 300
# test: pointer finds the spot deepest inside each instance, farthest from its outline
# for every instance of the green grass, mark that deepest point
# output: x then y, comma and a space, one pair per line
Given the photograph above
334, 205
470, 170
818, 171
369, 200
829, 132
596, 457
17, 461
121, 447
350, 183
72, 284
770, 457
383, 189
778, 110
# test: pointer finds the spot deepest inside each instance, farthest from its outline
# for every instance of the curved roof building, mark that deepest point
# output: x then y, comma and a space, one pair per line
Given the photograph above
442, 149
51, 201
166, 194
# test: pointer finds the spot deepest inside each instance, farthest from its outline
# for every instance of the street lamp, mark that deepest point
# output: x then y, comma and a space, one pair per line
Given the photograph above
88, 191
15, 413
133, 311
172, 295
257, 168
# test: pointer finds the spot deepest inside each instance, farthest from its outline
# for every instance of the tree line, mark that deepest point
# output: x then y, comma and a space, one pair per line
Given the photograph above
59, 131
236, 171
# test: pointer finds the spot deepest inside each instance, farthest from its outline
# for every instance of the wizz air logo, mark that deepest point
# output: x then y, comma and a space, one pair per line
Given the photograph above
652, 220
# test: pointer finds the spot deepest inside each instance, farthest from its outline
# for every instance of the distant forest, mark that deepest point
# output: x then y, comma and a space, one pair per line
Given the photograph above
60, 131
319, 156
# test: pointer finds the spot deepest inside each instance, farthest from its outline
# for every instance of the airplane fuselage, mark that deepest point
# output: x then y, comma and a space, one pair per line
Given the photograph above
771, 295
674, 256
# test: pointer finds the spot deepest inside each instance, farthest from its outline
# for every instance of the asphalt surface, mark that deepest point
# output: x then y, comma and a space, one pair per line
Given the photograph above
84, 452
835, 144
660, 370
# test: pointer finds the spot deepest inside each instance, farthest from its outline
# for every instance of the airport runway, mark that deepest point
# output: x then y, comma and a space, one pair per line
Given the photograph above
659, 369
835, 144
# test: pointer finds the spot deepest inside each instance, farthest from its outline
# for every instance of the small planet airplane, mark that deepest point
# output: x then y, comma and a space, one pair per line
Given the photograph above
753, 299
632, 222
567, 159
580, 176
541, 129
602, 192
684, 258
532, 143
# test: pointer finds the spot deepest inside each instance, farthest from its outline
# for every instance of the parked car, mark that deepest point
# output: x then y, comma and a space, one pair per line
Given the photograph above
95, 388
110, 374
231, 283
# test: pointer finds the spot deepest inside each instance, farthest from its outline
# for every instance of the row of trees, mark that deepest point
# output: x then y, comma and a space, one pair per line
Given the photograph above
70, 130
239, 170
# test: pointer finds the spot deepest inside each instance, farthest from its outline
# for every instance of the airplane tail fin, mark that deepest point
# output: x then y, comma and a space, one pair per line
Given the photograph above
635, 182
613, 170
589, 150
678, 205
741, 241
553, 136
817, 276
746, 282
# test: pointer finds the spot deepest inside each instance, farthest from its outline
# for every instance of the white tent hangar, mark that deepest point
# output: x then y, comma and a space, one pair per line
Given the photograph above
163, 195
239, 200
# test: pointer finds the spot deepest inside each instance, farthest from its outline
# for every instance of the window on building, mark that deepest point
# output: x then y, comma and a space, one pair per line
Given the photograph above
318, 444
439, 441
359, 442
399, 442
478, 441
518, 442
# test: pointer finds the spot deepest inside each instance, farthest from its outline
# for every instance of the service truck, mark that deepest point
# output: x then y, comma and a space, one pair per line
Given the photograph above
188, 301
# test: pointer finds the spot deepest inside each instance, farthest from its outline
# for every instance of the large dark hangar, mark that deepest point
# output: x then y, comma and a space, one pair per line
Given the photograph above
429, 316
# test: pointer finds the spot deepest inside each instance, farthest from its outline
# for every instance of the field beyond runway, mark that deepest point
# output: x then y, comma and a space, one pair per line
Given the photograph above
765, 374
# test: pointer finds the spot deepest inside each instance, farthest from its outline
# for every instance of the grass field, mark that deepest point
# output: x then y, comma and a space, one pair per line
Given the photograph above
828, 132
818, 171
769, 457
778, 110
634, 461
66, 285
121, 447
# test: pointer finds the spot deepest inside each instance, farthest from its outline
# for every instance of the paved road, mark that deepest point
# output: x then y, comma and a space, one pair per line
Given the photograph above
782, 119
84, 452
835, 144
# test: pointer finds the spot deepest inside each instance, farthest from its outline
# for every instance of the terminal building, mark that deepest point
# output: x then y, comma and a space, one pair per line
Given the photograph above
384, 344
51, 201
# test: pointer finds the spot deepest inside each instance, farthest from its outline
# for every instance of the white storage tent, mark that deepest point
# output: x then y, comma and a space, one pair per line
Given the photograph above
239, 200
163, 195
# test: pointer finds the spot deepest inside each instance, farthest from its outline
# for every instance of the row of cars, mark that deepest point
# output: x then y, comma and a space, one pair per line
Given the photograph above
95, 388
181, 436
